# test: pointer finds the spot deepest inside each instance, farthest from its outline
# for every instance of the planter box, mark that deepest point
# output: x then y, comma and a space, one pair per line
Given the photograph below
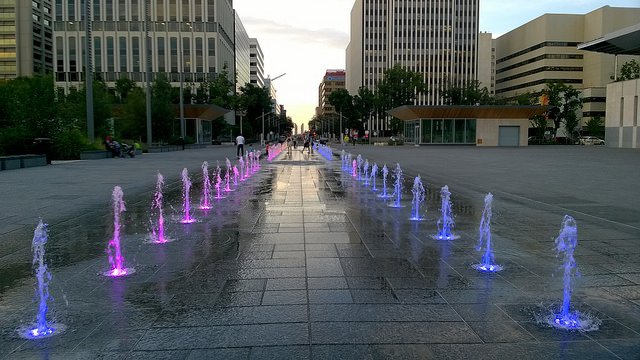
95, 154
22, 161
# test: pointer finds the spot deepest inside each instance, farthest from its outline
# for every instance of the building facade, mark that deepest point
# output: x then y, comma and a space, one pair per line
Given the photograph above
242, 54
192, 40
256, 63
487, 62
545, 49
26, 33
436, 39
331, 81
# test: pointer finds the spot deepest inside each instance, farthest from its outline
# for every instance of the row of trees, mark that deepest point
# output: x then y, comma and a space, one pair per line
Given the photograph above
31, 107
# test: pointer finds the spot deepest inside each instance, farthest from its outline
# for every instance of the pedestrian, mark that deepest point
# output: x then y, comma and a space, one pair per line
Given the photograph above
240, 144
354, 138
306, 145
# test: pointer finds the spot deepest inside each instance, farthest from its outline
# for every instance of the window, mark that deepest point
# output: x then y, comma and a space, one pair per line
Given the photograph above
198, 10
59, 55
186, 55
110, 54
135, 10
211, 12
135, 50
122, 10
71, 10
160, 10
172, 10
58, 10
122, 51
199, 55
97, 51
185, 10
173, 48
211, 54
161, 55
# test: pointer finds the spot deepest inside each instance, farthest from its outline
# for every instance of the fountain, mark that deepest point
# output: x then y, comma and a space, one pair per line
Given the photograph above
359, 163
566, 319
397, 188
366, 172
418, 199
235, 176
41, 328
247, 170
218, 184
385, 173
113, 248
374, 174
241, 163
205, 201
186, 185
157, 232
343, 158
446, 222
487, 264
354, 167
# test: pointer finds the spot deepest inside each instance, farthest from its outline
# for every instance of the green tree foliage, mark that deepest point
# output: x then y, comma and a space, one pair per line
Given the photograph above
565, 102
162, 110
123, 87
595, 126
398, 87
133, 123
254, 101
630, 70
472, 94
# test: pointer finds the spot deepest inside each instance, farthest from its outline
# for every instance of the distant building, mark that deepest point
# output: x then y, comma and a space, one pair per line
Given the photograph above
26, 33
242, 53
192, 40
331, 81
256, 63
487, 62
545, 49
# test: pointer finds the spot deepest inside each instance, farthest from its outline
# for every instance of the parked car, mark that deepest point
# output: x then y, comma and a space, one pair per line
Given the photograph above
590, 140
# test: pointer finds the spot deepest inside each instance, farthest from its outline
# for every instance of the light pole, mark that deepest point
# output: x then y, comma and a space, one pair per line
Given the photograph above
341, 128
262, 134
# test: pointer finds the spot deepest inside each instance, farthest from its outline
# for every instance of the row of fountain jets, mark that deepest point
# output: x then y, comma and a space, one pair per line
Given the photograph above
362, 171
223, 183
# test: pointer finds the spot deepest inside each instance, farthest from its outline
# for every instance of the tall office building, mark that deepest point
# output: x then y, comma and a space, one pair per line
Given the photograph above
437, 39
242, 54
487, 62
26, 46
192, 39
332, 80
545, 49
256, 63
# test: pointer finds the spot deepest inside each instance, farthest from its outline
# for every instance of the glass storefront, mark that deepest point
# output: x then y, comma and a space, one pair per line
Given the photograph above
441, 131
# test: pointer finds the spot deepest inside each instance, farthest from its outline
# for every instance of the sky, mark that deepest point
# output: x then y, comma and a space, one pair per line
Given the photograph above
304, 38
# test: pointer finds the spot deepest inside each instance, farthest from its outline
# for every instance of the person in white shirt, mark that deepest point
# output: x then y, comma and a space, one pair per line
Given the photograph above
240, 143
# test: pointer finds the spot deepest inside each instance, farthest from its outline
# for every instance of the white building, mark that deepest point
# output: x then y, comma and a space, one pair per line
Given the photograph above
436, 39
242, 54
256, 63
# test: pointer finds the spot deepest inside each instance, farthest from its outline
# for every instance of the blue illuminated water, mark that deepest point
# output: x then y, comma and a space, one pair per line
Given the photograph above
418, 199
397, 187
488, 264
374, 175
445, 222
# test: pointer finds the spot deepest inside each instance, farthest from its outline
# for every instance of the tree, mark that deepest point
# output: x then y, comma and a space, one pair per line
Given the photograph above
630, 70
595, 126
162, 111
123, 87
254, 101
133, 123
364, 103
471, 94
398, 87
565, 102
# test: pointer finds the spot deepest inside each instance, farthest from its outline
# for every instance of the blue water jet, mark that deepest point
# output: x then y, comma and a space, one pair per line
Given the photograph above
366, 173
385, 173
445, 222
397, 187
488, 263
418, 199
374, 175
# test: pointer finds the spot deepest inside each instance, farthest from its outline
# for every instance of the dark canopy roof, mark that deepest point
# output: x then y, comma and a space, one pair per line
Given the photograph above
622, 42
412, 112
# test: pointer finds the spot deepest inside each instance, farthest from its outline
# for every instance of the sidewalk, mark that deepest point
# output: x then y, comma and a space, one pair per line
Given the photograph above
300, 262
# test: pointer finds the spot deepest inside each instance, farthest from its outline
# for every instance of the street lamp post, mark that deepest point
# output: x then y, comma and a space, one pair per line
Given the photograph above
262, 134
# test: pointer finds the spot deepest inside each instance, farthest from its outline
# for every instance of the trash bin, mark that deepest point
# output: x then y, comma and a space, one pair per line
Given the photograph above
42, 146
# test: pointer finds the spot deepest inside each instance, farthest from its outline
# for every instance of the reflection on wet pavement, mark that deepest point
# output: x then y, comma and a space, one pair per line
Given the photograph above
304, 261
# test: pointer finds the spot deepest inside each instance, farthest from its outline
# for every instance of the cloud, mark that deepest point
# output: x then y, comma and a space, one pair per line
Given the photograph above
262, 28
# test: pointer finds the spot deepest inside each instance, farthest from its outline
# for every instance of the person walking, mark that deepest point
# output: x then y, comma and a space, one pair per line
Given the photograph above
240, 144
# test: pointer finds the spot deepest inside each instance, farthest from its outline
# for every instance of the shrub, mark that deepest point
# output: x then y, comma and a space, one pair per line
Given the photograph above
69, 143
14, 141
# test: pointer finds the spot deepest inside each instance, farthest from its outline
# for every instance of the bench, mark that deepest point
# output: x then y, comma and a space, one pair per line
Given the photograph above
12, 162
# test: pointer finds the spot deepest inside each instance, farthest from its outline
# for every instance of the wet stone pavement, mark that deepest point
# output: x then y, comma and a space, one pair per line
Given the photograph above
302, 261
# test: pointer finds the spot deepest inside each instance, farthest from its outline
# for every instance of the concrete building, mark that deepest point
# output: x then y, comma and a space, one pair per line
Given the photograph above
26, 33
242, 53
545, 49
436, 39
484, 125
256, 63
192, 40
622, 126
487, 62
332, 80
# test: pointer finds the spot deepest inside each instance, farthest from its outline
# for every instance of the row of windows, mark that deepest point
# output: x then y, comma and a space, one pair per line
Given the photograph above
594, 99
537, 82
538, 46
131, 48
136, 26
541, 57
133, 10
135, 76
441, 131
539, 70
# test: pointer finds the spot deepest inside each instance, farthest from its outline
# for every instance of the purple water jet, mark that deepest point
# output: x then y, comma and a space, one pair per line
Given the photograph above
218, 184
354, 167
241, 163
186, 205
235, 175
41, 328
205, 200
113, 248
488, 263
157, 231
